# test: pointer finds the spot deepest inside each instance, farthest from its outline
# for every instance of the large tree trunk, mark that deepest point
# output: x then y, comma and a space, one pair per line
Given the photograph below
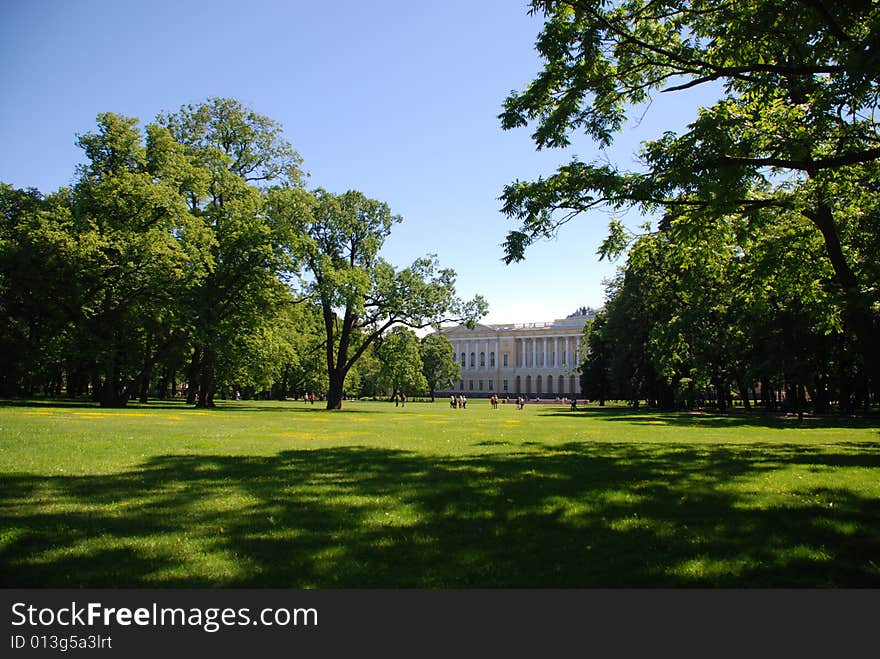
336, 391
336, 370
207, 385
97, 386
113, 393
72, 381
77, 380
744, 394
857, 307
192, 374
282, 395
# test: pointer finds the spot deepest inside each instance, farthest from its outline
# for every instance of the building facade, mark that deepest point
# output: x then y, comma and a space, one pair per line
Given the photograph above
537, 360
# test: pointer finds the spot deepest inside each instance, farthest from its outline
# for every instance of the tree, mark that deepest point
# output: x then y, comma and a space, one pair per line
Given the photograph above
401, 369
632, 315
337, 239
301, 330
438, 362
230, 138
690, 320
136, 248
36, 285
794, 129
364, 378
240, 151
183, 243
595, 370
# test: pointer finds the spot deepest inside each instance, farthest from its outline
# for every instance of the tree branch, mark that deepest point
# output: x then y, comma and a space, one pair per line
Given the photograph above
807, 165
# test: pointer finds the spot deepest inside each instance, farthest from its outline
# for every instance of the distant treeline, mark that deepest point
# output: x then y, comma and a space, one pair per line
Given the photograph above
187, 259
749, 316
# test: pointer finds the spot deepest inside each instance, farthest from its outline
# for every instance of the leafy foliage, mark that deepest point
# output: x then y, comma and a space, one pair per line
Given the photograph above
191, 251
792, 138
402, 368
438, 362
361, 296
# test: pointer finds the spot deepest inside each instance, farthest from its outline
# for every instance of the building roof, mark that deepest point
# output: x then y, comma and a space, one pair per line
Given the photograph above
574, 321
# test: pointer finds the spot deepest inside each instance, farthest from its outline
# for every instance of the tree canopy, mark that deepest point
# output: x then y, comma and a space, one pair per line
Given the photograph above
361, 295
438, 362
190, 251
792, 136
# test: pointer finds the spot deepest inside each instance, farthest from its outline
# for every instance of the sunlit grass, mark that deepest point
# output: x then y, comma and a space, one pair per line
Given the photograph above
289, 495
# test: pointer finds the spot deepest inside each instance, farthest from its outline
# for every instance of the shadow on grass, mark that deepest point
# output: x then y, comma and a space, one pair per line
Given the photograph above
285, 406
49, 402
738, 418
577, 515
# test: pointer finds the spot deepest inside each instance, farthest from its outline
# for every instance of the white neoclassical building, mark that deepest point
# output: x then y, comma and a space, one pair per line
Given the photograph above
531, 359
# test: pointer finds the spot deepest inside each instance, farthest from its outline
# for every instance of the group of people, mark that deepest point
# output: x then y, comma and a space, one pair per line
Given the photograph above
461, 401
399, 399
309, 398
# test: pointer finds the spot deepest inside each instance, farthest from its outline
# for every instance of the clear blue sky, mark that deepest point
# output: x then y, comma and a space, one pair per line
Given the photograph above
397, 99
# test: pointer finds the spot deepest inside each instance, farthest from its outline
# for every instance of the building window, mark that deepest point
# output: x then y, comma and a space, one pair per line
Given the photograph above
470, 385
482, 360
461, 385
504, 384
491, 385
553, 358
480, 384
492, 359
563, 357
473, 360
504, 360
463, 361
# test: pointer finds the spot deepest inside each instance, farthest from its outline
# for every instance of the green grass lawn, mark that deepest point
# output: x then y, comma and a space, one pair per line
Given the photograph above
267, 494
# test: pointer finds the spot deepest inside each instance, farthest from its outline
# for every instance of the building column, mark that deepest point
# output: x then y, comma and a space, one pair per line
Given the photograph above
544, 361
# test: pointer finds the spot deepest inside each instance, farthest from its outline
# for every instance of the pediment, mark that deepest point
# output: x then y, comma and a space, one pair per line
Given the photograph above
462, 331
